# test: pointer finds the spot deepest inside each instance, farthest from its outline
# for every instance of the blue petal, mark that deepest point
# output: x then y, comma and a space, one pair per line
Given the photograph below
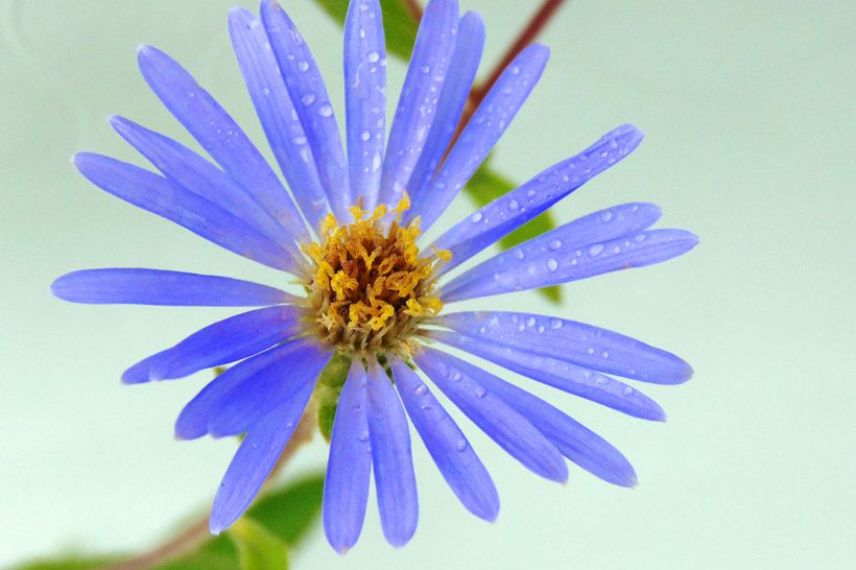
297, 363
157, 195
507, 213
460, 381
456, 460
193, 420
223, 342
575, 441
240, 382
277, 113
312, 103
365, 98
565, 255
419, 98
159, 287
479, 136
194, 173
571, 341
393, 466
346, 489
453, 99
219, 135
562, 375
255, 459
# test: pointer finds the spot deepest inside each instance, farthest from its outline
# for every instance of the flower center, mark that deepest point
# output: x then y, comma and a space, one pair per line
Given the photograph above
371, 287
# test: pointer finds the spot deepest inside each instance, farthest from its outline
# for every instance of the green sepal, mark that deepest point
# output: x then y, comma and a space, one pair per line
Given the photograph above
327, 390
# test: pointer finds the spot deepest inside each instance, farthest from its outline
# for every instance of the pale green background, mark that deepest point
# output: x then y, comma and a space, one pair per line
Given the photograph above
749, 109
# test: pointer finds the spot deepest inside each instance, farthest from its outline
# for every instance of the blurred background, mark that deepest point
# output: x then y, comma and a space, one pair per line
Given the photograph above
749, 113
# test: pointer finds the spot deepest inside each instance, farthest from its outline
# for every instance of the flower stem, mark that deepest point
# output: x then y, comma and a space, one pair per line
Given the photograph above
196, 532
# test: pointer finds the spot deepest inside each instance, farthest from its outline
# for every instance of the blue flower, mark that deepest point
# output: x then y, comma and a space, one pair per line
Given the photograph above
370, 291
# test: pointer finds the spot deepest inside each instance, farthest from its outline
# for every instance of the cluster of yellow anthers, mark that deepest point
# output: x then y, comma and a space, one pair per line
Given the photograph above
370, 288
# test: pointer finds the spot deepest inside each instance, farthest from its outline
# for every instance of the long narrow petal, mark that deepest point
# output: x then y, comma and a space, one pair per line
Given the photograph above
575, 342
193, 420
346, 489
196, 174
507, 213
223, 342
575, 441
393, 465
455, 458
560, 256
255, 459
134, 286
562, 375
157, 195
420, 94
365, 98
514, 433
453, 99
312, 103
219, 135
277, 113
480, 135
301, 361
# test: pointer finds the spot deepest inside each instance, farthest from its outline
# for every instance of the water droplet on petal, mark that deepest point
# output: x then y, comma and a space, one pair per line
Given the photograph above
595, 250
476, 218
461, 445
555, 324
555, 244
325, 111
303, 66
606, 216
552, 264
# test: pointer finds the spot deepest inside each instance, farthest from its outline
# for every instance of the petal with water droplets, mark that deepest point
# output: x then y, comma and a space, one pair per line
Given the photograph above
514, 433
455, 458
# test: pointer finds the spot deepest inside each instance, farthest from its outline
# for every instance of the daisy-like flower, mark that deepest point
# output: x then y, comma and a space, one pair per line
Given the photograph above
373, 295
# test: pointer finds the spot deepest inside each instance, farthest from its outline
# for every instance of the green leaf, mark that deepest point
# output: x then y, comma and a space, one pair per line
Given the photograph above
398, 24
485, 186
290, 512
258, 548
218, 553
327, 391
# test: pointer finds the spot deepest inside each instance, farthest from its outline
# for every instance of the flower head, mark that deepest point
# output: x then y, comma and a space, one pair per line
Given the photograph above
372, 294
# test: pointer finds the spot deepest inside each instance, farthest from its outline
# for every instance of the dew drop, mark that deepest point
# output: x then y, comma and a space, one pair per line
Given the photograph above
555, 244
481, 392
518, 254
552, 264
514, 205
555, 324
456, 377
303, 65
530, 322
421, 390
606, 216
628, 390
308, 99
325, 111
364, 436
476, 218
365, 136
373, 57
640, 238
595, 250
461, 445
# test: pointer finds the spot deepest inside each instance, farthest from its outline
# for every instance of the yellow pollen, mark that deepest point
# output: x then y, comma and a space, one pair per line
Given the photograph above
370, 287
